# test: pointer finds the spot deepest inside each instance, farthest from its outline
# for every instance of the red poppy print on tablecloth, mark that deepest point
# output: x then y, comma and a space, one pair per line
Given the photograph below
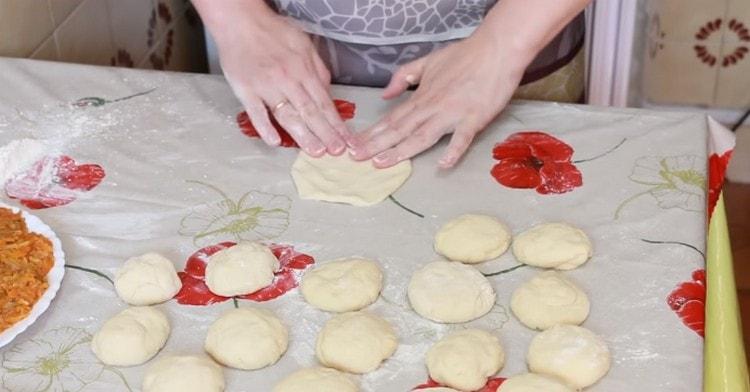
534, 159
346, 110
195, 292
688, 300
717, 167
54, 181
492, 385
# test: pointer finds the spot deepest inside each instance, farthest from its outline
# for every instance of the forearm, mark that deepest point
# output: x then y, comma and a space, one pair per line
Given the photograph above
525, 27
219, 15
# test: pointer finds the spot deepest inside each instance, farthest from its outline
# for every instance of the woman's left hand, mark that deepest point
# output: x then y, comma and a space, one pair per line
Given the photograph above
462, 87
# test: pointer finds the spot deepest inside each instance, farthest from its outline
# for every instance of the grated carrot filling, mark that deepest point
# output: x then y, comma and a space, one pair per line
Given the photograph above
25, 260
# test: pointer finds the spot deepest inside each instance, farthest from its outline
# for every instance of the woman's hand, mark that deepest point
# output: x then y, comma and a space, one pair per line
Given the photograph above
462, 87
465, 85
273, 66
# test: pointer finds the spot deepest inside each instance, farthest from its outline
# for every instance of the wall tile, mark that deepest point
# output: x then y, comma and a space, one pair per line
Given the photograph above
688, 20
679, 73
188, 49
61, 9
85, 37
130, 26
733, 83
47, 50
24, 25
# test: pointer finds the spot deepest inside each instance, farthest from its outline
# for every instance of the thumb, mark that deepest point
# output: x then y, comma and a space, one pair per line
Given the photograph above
406, 75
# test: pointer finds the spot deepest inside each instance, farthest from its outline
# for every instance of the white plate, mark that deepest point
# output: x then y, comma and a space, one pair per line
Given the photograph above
54, 276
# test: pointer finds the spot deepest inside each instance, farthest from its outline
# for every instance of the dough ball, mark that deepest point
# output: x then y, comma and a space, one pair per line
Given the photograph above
571, 353
355, 342
146, 280
449, 292
553, 245
472, 238
184, 373
465, 359
530, 382
343, 285
131, 337
242, 269
549, 299
341, 179
247, 338
316, 379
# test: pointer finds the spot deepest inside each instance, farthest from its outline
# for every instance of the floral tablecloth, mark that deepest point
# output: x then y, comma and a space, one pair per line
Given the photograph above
139, 161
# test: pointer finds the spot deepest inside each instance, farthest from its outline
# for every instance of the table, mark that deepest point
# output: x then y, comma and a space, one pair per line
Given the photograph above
156, 162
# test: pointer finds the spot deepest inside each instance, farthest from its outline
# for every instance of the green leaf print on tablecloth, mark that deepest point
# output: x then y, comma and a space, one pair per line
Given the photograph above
254, 216
58, 360
674, 181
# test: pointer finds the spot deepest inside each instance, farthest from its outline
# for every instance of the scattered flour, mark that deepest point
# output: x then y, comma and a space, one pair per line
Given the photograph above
19, 155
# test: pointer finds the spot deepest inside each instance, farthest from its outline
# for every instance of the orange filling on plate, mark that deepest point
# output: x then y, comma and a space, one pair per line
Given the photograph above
25, 260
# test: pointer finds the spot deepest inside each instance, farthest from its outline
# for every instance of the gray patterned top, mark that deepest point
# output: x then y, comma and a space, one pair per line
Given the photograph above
387, 22
364, 41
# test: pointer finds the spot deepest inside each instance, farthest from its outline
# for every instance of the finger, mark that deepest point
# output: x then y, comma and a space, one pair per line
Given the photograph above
258, 114
407, 75
295, 125
320, 68
423, 138
378, 138
460, 142
319, 93
313, 117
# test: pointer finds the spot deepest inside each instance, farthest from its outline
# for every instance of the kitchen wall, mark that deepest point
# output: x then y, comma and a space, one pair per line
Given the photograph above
155, 34
697, 53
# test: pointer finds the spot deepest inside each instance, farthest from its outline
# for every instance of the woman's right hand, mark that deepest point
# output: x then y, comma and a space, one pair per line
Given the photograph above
273, 67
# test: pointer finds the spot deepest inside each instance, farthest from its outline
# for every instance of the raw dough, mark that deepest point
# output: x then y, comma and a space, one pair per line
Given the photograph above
247, 338
549, 299
465, 359
147, 279
355, 342
343, 180
472, 238
553, 245
242, 269
131, 337
316, 379
184, 373
530, 382
571, 353
343, 285
449, 292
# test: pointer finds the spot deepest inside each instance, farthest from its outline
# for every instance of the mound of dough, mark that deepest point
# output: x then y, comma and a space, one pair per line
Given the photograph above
472, 238
571, 353
247, 338
530, 382
343, 285
242, 269
131, 337
549, 299
147, 279
341, 179
465, 359
184, 373
553, 245
449, 292
355, 342
316, 379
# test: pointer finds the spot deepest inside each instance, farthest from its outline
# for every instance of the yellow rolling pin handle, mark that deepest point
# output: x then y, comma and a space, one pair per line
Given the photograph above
724, 367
